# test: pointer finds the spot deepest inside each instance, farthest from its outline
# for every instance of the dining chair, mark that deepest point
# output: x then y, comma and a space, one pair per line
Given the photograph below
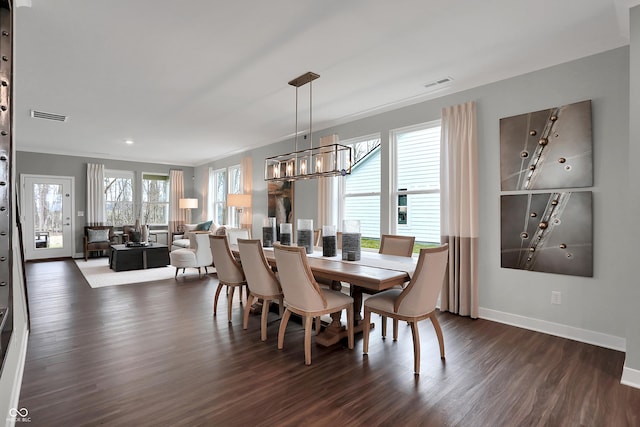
303, 296
414, 303
397, 245
262, 282
230, 273
233, 234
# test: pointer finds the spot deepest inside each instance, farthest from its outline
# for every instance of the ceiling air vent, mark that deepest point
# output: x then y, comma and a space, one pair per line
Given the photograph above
438, 84
48, 116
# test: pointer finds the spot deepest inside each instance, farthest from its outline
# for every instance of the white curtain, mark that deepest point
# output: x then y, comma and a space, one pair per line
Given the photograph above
95, 194
459, 208
328, 192
247, 188
177, 216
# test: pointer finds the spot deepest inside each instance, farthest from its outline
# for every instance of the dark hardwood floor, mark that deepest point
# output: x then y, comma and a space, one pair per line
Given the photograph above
152, 354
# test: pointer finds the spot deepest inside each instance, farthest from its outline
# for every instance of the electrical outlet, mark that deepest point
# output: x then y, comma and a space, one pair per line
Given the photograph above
556, 297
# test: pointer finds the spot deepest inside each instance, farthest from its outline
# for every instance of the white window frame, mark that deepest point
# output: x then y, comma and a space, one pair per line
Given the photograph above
142, 202
216, 206
124, 174
342, 188
232, 212
395, 192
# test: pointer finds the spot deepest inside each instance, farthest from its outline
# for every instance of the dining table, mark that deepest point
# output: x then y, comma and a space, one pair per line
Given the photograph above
372, 273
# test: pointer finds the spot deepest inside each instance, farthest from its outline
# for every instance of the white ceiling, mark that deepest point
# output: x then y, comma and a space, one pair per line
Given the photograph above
192, 81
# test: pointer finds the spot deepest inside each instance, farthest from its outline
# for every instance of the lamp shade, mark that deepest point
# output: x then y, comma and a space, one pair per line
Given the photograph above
239, 200
188, 203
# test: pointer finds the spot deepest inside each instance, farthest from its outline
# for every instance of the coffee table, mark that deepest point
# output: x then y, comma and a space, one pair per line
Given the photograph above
124, 257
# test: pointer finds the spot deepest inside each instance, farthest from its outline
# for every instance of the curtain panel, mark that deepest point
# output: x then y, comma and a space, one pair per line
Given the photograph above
247, 188
95, 194
328, 192
459, 208
177, 216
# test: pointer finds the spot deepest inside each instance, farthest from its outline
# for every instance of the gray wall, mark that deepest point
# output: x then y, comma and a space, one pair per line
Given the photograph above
58, 165
633, 236
591, 304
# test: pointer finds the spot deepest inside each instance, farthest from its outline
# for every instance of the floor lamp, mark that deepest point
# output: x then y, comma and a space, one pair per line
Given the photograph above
240, 202
188, 204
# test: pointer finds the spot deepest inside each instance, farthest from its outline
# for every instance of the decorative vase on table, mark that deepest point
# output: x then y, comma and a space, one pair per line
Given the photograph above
285, 233
305, 234
329, 241
268, 232
351, 240
144, 234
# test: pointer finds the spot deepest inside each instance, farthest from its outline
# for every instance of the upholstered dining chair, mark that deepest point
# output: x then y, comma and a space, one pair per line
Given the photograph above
303, 296
230, 273
414, 303
233, 234
391, 244
262, 282
397, 245
197, 255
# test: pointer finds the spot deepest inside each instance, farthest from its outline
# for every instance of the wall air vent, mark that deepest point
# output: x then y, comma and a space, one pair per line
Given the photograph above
439, 84
48, 116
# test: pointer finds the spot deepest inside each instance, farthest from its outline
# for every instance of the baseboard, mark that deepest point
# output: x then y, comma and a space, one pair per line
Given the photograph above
630, 377
557, 329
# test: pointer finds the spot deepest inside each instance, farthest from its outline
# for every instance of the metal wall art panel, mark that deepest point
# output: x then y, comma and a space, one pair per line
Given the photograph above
547, 149
548, 232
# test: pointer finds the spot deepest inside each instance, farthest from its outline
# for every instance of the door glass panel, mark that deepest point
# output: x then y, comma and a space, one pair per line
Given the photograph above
47, 216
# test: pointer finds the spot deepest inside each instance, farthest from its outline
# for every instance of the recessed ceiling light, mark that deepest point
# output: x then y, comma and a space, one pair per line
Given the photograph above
129, 141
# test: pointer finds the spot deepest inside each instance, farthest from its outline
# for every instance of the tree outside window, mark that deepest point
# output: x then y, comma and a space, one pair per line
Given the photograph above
118, 196
155, 199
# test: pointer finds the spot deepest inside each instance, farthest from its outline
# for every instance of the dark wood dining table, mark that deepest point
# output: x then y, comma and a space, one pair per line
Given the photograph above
374, 272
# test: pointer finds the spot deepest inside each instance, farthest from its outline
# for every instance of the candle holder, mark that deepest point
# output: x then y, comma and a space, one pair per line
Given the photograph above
329, 241
268, 232
351, 240
285, 233
305, 234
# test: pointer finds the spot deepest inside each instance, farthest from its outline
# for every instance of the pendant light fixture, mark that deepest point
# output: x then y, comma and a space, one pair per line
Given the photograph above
314, 162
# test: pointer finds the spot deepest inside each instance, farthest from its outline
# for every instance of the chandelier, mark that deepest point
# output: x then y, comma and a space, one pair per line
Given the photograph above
314, 162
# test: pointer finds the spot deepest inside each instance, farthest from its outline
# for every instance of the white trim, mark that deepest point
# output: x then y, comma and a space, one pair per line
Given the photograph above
16, 360
630, 377
583, 335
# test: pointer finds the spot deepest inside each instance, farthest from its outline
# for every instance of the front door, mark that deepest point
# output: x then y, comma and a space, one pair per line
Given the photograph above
47, 206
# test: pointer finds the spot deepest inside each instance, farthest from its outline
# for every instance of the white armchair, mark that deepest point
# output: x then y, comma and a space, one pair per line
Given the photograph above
198, 254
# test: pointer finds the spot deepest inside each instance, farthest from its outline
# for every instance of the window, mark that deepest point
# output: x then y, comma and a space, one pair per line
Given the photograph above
217, 195
235, 187
155, 199
361, 189
417, 182
118, 197
221, 183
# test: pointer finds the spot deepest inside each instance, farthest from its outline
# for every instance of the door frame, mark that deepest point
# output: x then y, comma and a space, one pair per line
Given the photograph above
28, 221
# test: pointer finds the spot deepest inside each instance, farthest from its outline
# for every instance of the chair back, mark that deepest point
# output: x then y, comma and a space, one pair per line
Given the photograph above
260, 278
298, 285
228, 269
421, 294
199, 244
397, 245
233, 234
99, 227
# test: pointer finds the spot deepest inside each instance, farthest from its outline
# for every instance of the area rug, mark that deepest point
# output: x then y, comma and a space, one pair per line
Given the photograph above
98, 273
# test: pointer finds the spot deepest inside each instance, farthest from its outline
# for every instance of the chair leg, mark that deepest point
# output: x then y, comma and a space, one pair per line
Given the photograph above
307, 339
395, 329
436, 326
318, 325
350, 325
365, 331
198, 272
230, 302
281, 308
263, 318
416, 347
283, 328
176, 276
205, 270
215, 299
384, 327
247, 309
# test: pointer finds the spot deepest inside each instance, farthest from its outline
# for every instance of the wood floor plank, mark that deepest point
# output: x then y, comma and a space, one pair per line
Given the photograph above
153, 354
